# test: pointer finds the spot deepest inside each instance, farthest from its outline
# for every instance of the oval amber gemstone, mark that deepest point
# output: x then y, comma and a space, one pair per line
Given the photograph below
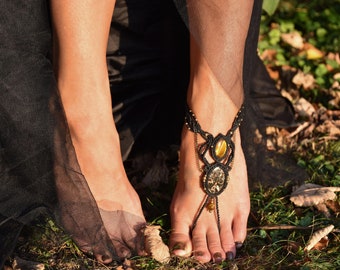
220, 148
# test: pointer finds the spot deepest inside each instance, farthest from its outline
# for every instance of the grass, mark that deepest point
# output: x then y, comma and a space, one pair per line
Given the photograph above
277, 234
277, 230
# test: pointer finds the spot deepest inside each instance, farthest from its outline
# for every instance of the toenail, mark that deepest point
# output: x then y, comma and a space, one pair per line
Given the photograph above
238, 245
198, 253
230, 256
106, 258
124, 252
178, 246
218, 257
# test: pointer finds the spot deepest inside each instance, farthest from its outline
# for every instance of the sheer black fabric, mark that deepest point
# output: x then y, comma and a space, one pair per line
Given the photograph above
26, 126
148, 68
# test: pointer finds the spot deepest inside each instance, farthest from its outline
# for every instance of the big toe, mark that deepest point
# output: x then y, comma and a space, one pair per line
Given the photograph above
104, 258
180, 244
122, 250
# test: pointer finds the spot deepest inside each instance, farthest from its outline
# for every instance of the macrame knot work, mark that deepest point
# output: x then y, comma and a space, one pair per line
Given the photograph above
217, 155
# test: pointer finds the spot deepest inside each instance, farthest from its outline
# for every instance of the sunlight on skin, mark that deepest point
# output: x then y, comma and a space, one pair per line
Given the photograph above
215, 107
80, 49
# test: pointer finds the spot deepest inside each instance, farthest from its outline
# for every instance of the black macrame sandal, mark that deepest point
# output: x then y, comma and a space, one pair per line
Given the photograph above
215, 174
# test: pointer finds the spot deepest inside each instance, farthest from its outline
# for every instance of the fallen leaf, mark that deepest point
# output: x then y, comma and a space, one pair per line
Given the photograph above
334, 56
334, 206
269, 54
21, 264
305, 80
335, 102
287, 95
312, 194
322, 244
336, 76
336, 85
330, 128
304, 108
154, 244
126, 265
322, 208
317, 236
312, 53
293, 39
273, 73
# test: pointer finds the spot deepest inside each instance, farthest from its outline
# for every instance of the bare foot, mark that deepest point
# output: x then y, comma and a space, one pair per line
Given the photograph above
83, 84
215, 113
96, 144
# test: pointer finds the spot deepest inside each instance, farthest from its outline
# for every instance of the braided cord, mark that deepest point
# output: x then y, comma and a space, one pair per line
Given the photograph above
215, 174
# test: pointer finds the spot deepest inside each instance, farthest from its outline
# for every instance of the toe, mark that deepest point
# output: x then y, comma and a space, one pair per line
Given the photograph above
100, 252
214, 245
240, 228
122, 250
227, 241
103, 258
200, 245
180, 244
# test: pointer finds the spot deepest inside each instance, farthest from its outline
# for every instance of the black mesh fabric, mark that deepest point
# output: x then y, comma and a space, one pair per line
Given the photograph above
148, 68
26, 125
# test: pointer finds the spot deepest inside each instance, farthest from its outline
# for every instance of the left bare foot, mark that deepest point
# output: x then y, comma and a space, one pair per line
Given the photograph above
215, 113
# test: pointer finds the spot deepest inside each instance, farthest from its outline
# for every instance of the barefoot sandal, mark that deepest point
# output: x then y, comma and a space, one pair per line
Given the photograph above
215, 174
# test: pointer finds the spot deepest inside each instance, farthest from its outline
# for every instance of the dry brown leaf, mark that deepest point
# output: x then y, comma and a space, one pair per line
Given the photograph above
336, 98
329, 127
305, 80
336, 85
317, 236
269, 54
322, 208
334, 56
334, 206
21, 264
126, 265
312, 194
304, 108
287, 95
294, 39
322, 244
273, 73
154, 245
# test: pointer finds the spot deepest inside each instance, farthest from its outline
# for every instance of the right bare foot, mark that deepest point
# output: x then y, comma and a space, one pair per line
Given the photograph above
96, 144
82, 75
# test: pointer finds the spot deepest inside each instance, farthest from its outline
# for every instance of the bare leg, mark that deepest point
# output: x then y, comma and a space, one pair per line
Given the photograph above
215, 106
81, 33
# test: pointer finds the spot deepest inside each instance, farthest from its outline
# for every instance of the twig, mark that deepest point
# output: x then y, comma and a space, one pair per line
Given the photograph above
299, 129
279, 227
